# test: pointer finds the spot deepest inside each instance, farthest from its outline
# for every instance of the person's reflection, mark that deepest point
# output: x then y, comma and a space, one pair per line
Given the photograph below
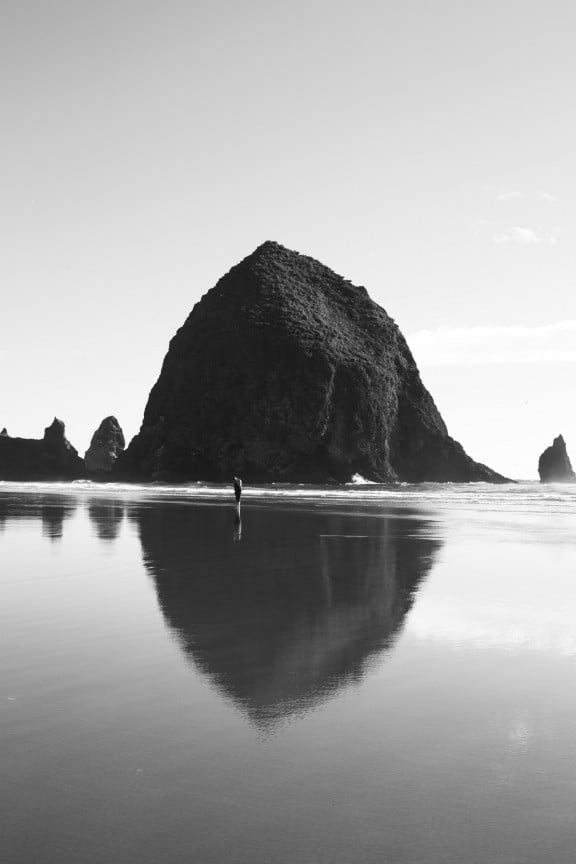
237, 524
284, 619
106, 516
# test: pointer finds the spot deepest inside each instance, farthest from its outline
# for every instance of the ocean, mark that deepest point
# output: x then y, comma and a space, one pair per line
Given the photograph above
338, 674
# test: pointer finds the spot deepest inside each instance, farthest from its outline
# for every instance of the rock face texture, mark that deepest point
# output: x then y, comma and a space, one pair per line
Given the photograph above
554, 465
285, 371
48, 458
106, 445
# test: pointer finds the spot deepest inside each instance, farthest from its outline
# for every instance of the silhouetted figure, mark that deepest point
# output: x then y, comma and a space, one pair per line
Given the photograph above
237, 489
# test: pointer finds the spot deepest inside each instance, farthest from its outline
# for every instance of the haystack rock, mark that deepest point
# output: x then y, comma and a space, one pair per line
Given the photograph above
49, 458
285, 371
554, 465
106, 445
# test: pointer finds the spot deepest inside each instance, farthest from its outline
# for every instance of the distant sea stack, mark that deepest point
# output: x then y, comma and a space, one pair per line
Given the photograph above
554, 465
106, 445
49, 458
287, 372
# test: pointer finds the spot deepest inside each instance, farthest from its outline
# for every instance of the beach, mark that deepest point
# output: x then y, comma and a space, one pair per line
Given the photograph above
337, 674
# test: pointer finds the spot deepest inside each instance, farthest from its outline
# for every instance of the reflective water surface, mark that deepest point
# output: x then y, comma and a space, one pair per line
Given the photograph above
365, 676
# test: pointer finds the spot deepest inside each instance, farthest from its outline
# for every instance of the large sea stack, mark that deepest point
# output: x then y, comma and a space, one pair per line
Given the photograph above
49, 458
554, 465
285, 371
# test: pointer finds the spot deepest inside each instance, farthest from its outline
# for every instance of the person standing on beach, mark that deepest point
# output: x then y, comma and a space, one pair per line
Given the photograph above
237, 516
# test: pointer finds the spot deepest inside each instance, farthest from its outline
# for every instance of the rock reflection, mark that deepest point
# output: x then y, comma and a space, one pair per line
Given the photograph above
51, 511
106, 516
293, 613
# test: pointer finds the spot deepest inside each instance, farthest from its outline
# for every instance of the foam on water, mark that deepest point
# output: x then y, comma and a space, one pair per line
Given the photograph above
527, 496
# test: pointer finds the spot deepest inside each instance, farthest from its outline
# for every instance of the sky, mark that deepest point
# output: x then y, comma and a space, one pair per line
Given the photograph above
423, 150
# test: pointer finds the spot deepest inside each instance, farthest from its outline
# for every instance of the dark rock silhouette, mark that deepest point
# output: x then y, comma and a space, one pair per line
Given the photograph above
287, 372
283, 620
49, 458
4, 433
106, 445
554, 465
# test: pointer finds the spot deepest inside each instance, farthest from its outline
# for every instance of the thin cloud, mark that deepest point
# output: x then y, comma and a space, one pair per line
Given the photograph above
507, 195
522, 236
517, 194
483, 346
546, 630
526, 236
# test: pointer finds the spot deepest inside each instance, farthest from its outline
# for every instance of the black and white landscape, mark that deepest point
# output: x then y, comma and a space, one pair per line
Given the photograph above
287, 506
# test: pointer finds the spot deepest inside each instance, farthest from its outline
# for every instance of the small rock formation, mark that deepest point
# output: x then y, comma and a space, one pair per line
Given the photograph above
106, 445
4, 433
554, 465
285, 371
49, 458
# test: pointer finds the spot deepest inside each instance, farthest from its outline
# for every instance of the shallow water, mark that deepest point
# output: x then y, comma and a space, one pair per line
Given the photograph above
369, 674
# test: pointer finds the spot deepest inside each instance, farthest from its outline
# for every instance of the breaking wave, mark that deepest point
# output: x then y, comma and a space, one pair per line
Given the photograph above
525, 496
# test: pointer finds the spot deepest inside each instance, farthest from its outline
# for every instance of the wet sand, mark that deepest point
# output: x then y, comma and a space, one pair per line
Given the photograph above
317, 681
